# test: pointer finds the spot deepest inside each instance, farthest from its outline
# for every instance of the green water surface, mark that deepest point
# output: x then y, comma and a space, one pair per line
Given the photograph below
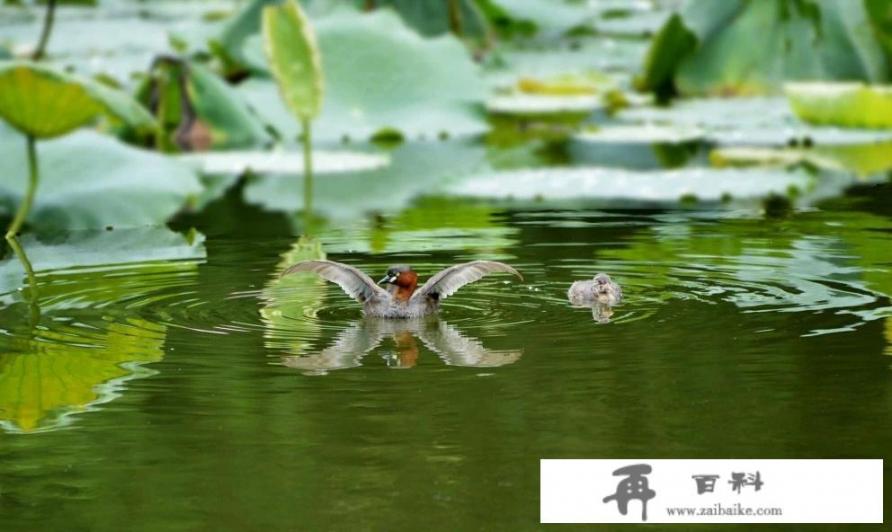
205, 393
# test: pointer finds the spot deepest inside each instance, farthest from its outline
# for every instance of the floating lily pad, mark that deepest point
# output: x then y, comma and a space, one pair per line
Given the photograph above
646, 133
285, 162
381, 75
586, 83
862, 159
91, 181
842, 104
153, 249
627, 186
543, 105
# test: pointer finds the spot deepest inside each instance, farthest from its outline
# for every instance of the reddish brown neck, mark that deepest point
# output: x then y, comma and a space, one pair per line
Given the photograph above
406, 283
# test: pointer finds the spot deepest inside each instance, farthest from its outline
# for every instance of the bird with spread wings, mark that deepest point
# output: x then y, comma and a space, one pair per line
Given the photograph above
403, 298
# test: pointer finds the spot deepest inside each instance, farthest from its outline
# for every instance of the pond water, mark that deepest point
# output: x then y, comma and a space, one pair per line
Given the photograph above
202, 391
167, 378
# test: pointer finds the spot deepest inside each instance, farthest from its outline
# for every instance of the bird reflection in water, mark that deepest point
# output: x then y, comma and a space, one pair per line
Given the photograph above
406, 337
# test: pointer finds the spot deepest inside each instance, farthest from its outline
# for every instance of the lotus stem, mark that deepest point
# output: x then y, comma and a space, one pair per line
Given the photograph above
307, 139
33, 177
33, 296
455, 22
47, 28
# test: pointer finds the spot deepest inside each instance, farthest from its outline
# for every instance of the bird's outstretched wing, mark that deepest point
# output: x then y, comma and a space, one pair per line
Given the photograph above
356, 284
446, 282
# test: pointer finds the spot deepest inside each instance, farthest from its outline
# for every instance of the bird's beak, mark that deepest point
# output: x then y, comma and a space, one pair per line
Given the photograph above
387, 279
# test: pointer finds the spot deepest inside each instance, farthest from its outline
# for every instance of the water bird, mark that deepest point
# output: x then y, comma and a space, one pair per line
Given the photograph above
600, 290
402, 298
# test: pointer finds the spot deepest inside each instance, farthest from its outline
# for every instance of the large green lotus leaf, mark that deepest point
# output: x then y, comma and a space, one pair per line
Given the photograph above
711, 48
92, 181
842, 104
43, 382
381, 75
293, 55
45, 103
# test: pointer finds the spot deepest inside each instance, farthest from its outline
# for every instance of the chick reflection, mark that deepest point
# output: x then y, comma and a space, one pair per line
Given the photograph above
365, 335
601, 312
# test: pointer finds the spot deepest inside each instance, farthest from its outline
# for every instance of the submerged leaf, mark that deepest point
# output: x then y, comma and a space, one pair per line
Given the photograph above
842, 104
293, 58
45, 103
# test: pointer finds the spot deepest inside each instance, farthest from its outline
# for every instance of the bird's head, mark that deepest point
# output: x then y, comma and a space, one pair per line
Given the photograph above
400, 275
602, 282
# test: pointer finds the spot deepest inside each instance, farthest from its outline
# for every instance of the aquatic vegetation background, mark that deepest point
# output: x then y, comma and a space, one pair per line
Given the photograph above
728, 162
